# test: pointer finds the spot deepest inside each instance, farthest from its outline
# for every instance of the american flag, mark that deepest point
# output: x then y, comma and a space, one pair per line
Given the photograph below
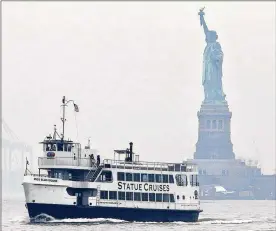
76, 107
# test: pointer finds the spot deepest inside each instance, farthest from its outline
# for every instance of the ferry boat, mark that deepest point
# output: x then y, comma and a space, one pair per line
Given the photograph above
79, 185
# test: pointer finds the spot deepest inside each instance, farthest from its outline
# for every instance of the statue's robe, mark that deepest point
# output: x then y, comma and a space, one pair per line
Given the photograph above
212, 71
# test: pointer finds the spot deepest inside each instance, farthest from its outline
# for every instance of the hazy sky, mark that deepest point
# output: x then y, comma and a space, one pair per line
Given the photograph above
134, 69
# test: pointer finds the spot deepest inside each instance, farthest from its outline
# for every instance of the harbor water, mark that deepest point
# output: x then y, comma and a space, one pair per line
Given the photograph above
217, 215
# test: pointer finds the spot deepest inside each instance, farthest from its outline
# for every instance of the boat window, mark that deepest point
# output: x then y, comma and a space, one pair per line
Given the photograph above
104, 195
158, 178
177, 167
60, 147
196, 194
177, 197
159, 197
120, 176
106, 176
113, 195
166, 197
151, 177
70, 176
183, 197
144, 177
145, 196
128, 176
60, 175
129, 196
54, 147
172, 198
193, 180
137, 196
92, 192
181, 180
165, 179
151, 196
137, 177
122, 195
183, 168
171, 180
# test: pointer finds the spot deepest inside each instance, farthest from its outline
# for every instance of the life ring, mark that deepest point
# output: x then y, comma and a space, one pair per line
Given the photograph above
50, 154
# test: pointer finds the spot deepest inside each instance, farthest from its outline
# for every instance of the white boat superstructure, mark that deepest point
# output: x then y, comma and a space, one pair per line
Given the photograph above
79, 185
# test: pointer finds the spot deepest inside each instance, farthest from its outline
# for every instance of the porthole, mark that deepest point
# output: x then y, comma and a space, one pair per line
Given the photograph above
177, 197
183, 197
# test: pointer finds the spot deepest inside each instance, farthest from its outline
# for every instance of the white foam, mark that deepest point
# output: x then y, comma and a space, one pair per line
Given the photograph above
227, 221
50, 219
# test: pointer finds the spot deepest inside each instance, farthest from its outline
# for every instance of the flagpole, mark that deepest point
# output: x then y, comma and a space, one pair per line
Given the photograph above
63, 118
64, 104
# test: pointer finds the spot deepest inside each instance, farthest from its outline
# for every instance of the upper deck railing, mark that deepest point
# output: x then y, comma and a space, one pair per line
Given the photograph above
66, 161
156, 166
120, 164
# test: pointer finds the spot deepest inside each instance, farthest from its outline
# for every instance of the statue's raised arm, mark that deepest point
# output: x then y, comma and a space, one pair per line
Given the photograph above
212, 64
202, 20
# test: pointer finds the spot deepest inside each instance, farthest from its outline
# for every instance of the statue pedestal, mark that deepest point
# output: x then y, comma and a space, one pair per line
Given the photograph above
214, 133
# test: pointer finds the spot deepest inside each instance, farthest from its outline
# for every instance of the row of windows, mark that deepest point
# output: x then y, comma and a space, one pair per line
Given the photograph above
215, 124
136, 196
182, 180
144, 177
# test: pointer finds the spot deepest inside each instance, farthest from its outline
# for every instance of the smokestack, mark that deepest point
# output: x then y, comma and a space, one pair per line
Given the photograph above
130, 150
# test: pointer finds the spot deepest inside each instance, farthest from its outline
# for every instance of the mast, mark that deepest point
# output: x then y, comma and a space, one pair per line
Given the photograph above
64, 104
63, 116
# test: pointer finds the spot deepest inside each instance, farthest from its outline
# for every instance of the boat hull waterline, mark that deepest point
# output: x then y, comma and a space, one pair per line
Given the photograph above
128, 214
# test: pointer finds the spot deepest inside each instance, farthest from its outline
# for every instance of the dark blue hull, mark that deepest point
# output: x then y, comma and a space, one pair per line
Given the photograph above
127, 214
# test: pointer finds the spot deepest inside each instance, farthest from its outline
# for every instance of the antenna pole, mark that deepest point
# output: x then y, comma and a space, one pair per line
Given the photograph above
63, 116
64, 104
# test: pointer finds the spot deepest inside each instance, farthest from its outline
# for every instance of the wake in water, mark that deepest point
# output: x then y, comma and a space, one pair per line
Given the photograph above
223, 221
44, 218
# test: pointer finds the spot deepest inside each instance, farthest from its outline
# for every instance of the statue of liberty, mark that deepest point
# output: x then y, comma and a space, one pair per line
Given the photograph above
212, 64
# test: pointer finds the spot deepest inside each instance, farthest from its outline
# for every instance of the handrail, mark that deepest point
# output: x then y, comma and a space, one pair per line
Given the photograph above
66, 161
175, 167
